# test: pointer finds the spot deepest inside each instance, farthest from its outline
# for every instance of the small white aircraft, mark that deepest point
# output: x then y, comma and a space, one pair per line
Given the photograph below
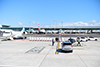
48, 31
55, 31
31, 31
13, 34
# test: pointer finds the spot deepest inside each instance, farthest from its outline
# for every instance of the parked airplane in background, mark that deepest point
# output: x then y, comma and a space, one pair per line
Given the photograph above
13, 34
48, 32
31, 31
55, 31
42, 31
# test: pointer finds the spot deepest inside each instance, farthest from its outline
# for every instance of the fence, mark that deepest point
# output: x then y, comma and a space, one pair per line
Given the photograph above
47, 39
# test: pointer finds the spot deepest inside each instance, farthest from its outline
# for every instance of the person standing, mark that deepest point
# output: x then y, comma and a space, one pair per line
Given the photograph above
78, 42
53, 42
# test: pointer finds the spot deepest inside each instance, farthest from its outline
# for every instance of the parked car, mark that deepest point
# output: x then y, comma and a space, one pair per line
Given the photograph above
71, 40
82, 39
92, 38
67, 46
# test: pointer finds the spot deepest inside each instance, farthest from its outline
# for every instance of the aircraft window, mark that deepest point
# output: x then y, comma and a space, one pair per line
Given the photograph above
83, 37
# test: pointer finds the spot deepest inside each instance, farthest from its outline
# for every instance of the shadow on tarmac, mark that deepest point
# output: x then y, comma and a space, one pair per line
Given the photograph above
6, 40
10, 39
60, 51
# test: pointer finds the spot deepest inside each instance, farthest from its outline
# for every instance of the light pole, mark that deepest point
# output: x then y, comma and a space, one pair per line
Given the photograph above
54, 24
62, 24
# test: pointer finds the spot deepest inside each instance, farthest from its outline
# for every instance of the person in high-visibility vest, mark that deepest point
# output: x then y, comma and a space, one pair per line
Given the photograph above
78, 40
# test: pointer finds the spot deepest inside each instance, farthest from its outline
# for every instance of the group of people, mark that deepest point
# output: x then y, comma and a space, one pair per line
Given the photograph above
78, 40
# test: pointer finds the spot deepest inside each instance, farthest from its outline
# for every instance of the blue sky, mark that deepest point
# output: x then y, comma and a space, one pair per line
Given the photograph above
50, 13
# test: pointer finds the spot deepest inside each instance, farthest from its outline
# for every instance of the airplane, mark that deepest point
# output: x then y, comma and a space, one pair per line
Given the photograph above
48, 31
13, 34
32, 31
55, 31
61, 31
40, 31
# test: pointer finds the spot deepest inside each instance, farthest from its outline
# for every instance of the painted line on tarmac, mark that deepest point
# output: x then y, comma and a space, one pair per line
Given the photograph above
70, 54
57, 48
32, 41
82, 60
35, 50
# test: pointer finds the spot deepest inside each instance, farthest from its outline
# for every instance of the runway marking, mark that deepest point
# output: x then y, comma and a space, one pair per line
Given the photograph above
35, 50
67, 54
57, 48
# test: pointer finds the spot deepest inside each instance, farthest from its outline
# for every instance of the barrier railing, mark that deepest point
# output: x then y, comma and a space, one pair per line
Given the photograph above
40, 39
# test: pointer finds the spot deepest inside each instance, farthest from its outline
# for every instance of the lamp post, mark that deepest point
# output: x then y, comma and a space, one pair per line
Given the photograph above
62, 24
54, 24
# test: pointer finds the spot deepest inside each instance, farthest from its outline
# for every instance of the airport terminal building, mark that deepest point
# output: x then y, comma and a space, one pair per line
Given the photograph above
66, 30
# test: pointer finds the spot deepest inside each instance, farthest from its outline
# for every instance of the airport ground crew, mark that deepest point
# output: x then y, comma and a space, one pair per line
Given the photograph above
53, 42
78, 42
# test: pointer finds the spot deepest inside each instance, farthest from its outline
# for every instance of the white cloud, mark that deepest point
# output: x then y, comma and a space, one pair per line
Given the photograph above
15, 19
47, 26
20, 23
93, 21
33, 22
91, 25
80, 23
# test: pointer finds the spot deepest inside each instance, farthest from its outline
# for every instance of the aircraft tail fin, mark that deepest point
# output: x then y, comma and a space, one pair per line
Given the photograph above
23, 30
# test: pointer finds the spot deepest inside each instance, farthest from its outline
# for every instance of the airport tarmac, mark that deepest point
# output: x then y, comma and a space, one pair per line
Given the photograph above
63, 35
42, 54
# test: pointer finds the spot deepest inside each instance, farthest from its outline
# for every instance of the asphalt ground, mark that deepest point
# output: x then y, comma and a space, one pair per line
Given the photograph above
25, 53
63, 35
57, 35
